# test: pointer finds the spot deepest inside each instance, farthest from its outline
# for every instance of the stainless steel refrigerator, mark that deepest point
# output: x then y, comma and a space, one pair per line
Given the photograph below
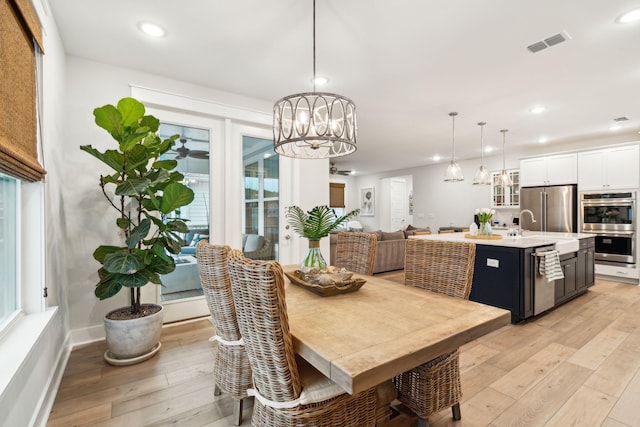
555, 208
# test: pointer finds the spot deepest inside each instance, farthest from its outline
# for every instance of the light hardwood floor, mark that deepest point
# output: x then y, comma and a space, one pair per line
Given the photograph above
576, 365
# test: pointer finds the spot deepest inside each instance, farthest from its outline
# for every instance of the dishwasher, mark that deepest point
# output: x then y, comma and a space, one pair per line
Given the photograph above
544, 292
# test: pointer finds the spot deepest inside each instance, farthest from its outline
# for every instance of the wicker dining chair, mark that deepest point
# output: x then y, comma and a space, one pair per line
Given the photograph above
232, 370
284, 387
447, 268
356, 251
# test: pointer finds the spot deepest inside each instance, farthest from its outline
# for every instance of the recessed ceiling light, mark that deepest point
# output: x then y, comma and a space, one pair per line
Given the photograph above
436, 158
488, 149
537, 109
151, 29
543, 140
615, 127
321, 80
630, 16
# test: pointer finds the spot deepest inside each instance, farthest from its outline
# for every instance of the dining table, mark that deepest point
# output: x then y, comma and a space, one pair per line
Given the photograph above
363, 339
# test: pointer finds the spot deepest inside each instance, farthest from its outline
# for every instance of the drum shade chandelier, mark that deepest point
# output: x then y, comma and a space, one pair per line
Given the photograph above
482, 175
505, 179
454, 172
314, 125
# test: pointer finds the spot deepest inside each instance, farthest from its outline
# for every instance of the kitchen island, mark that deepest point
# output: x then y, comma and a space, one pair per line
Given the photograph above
506, 270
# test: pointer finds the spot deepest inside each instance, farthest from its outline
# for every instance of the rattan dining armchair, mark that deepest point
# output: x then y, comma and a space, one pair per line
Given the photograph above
232, 370
447, 268
356, 251
288, 392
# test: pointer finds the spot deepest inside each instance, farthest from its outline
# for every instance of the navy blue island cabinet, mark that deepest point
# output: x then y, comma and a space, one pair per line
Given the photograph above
502, 278
506, 277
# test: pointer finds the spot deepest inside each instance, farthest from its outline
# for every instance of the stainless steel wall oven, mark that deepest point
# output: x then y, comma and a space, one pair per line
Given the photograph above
611, 217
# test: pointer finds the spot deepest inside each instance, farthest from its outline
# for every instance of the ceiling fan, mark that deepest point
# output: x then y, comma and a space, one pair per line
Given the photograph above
333, 170
184, 152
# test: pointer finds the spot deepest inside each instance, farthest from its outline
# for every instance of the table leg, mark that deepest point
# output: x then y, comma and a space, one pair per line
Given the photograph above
386, 415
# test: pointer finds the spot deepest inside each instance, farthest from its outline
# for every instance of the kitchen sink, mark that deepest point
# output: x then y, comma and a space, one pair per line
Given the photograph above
563, 245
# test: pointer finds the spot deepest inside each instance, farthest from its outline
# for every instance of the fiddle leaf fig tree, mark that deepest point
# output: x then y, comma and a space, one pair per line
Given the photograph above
147, 195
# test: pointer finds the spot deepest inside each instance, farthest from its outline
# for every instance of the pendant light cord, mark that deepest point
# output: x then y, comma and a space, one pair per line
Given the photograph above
481, 143
453, 136
504, 135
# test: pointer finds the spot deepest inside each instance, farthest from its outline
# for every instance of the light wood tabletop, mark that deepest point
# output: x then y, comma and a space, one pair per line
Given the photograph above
365, 338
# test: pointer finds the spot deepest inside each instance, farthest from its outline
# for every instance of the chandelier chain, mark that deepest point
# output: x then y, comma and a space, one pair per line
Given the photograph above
314, 45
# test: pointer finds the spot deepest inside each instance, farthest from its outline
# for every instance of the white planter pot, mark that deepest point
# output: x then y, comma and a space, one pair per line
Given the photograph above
133, 340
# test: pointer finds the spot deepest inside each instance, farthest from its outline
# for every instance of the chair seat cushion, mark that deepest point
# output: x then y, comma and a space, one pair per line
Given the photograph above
316, 388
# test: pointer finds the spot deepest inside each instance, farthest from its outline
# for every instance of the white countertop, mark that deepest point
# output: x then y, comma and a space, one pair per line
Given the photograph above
529, 239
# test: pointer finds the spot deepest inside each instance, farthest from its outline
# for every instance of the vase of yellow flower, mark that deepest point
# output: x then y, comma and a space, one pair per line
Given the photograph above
484, 216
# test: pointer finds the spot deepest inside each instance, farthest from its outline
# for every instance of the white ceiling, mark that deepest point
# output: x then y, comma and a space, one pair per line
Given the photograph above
405, 63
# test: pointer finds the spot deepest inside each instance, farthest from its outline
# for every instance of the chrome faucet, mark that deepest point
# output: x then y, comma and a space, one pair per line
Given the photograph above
520, 221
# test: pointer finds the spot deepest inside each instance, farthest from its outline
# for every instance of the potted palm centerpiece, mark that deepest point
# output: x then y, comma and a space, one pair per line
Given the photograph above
314, 225
146, 193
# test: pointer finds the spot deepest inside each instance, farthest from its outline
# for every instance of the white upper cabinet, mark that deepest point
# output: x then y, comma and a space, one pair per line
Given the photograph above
609, 169
549, 170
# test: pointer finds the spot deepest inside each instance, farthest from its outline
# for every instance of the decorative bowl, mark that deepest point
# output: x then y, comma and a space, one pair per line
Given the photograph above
326, 282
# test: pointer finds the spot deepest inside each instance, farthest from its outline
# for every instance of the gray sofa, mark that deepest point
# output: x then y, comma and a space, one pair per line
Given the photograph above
389, 250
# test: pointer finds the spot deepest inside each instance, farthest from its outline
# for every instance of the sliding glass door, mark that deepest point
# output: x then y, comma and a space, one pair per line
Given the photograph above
196, 149
261, 175
192, 154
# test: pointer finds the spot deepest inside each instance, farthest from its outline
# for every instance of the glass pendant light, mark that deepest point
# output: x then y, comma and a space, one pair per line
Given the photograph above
505, 179
454, 172
314, 125
482, 176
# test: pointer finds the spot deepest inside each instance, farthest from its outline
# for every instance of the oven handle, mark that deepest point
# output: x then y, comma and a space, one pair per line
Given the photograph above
610, 233
623, 202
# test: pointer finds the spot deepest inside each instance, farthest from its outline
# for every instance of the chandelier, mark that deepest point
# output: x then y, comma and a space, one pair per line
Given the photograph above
314, 125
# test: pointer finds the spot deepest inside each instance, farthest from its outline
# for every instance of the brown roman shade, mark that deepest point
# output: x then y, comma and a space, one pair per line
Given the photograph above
336, 195
18, 121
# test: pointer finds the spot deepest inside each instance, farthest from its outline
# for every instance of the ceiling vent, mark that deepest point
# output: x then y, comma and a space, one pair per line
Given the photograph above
548, 42
621, 119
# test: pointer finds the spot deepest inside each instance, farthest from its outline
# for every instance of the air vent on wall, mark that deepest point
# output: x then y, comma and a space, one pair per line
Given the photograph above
548, 42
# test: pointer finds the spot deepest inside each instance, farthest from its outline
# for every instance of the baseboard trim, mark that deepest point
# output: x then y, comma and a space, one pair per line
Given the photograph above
48, 398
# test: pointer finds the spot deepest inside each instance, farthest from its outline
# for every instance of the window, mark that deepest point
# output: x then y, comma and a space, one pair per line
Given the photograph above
8, 246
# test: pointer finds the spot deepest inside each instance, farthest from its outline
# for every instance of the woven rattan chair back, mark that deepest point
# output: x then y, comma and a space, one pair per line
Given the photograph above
356, 251
232, 370
443, 267
258, 293
214, 276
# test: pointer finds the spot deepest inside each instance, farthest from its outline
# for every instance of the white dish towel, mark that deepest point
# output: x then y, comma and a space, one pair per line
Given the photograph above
550, 266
